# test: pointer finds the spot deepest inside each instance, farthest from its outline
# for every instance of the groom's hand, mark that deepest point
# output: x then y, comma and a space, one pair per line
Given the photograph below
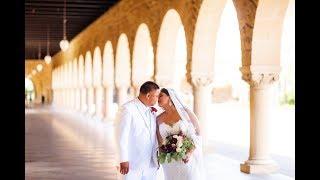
124, 167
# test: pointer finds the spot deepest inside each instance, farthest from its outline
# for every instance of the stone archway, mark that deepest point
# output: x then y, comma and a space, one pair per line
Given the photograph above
171, 50
205, 37
30, 90
81, 84
122, 69
203, 56
75, 85
89, 82
227, 86
64, 84
287, 57
57, 92
38, 88
69, 85
108, 79
227, 57
97, 82
142, 57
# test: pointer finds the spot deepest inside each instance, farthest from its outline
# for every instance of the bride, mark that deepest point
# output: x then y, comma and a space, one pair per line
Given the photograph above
175, 118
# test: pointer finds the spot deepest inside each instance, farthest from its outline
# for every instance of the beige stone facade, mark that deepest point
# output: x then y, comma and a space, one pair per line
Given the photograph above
127, 15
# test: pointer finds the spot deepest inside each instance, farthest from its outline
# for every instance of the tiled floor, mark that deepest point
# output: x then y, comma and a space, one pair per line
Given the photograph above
61, 145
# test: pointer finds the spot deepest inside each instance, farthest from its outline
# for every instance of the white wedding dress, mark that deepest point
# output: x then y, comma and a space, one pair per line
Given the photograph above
176, 170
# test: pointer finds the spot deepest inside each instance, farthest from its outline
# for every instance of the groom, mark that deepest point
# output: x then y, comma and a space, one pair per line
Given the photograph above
136, 135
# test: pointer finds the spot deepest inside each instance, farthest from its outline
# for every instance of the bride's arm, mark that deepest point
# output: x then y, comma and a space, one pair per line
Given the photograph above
194, 120
157, 132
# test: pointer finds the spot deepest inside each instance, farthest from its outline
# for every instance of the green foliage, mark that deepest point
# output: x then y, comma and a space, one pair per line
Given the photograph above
288, 99
187, 145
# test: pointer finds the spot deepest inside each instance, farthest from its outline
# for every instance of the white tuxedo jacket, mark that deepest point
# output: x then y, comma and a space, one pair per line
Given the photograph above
136, 135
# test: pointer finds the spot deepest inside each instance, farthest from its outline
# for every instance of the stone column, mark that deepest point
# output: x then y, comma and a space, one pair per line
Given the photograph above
55, 97
122, 95
108, 102
74, 95
71, 98
90, 102
136, 90
84, 105
63, 96
59, 97
261, 80
132, 93
66, 98
98, 101
69, 103
202, 100
78, 99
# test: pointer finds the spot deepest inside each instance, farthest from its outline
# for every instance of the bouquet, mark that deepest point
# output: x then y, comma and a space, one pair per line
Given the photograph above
175, 146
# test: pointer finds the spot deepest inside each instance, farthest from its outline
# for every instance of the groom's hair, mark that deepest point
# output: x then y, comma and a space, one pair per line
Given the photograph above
148, 86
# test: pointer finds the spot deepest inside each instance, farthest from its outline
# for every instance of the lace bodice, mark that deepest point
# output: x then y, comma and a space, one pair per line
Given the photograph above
166, 129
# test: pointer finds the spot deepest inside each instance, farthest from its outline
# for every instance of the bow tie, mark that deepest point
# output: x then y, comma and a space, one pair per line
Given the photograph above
153, 109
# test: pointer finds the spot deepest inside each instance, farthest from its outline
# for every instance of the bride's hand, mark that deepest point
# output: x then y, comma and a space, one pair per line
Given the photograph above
186, 160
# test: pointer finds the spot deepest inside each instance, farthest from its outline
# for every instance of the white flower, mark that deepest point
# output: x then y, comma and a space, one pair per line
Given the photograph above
179, 141
164, 142
178, 149
179, 144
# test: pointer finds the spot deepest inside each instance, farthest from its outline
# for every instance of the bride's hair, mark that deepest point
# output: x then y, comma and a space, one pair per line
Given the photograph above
164, 90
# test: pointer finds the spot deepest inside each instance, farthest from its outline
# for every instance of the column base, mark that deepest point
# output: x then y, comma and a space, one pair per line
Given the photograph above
250, 167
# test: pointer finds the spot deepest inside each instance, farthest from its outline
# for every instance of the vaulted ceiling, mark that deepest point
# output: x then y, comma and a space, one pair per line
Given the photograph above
43, 16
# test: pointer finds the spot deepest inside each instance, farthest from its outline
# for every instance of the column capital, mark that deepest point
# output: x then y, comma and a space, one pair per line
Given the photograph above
260, 76
164, 81
202, 80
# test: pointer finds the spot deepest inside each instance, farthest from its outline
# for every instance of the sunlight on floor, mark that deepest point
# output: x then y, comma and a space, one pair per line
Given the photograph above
230, 123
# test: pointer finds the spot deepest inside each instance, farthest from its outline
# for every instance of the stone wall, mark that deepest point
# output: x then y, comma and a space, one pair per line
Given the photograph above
127, 15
